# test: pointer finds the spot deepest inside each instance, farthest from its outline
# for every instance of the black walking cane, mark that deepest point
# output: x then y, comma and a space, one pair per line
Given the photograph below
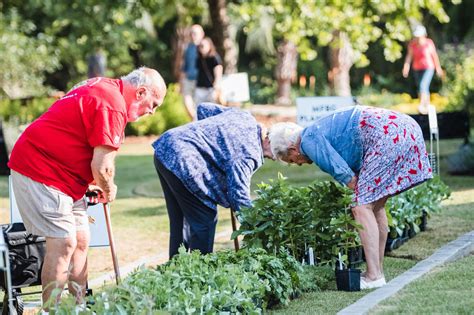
234, 228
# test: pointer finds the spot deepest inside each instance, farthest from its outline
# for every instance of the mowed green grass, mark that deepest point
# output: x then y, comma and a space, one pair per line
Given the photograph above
448, 289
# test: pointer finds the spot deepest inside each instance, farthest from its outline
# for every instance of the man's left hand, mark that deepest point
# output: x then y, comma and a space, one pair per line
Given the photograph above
96, 194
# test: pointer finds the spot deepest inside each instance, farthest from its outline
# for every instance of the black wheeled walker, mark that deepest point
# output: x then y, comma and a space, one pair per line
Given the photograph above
25, 255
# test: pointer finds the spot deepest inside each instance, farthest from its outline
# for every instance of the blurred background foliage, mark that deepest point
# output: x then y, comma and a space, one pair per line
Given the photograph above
45, 44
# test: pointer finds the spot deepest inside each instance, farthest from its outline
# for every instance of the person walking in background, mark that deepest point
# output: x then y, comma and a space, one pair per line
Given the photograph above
375, 152
67, 148
210, 70
189, 73
96, 64
206, 163
422, 53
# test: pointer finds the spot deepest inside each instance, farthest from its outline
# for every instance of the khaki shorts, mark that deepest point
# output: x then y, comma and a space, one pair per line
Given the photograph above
47, 211
188, 87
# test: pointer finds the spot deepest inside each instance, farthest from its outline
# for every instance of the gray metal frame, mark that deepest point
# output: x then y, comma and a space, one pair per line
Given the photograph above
5, 267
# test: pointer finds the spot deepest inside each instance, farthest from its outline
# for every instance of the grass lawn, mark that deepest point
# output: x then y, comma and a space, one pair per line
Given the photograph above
141, 227
445, 290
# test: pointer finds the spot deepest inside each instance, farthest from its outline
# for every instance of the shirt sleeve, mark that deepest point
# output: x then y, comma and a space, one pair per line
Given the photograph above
323, 154
206, 110
217, 60
238, 184
108, 129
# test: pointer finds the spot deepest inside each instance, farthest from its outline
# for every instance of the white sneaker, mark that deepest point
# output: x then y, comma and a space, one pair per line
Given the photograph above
364, 284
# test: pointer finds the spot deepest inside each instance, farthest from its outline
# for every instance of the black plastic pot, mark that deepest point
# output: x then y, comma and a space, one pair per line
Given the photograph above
411, 232
356, 256
348, 279
424, 221
405, 235
393, 243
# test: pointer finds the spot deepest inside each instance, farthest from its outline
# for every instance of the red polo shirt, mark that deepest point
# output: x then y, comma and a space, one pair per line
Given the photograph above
57, 148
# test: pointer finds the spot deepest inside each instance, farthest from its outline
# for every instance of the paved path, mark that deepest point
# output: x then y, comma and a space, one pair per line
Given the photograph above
457, 249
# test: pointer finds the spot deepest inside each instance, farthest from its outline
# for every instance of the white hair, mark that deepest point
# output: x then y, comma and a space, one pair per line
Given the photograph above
281, 136
139, 77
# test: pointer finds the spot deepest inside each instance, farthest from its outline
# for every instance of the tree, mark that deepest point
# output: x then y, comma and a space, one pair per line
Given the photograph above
222, 34
347, 27
184, 14
26, 57
76, 28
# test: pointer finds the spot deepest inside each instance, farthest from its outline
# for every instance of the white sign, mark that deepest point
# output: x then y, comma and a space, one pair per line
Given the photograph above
309, 109
235, 87
98, 226
432, 119
97, 223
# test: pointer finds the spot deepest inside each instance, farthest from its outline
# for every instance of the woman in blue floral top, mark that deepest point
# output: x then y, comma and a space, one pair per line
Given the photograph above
204, 164
376, 152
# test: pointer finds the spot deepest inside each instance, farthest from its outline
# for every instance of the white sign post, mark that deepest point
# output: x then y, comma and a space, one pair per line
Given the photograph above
434, 136
310, 109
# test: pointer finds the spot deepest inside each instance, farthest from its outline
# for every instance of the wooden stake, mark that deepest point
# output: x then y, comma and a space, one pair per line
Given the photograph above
234, 228
112, 243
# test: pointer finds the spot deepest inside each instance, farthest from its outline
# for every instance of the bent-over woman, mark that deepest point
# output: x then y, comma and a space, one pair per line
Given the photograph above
204, 164
376, 152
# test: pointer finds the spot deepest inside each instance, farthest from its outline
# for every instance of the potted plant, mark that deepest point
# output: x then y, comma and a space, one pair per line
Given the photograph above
345, 230
423, 221
347, 279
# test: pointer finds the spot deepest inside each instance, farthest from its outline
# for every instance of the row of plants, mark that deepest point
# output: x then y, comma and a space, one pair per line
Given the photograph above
318, 216
408, 212
171, 114
244, 282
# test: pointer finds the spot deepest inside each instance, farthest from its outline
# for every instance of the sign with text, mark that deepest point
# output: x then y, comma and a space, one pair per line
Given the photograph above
309, 109
235, 87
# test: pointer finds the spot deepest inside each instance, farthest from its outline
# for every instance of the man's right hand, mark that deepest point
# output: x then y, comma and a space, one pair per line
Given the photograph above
112, 194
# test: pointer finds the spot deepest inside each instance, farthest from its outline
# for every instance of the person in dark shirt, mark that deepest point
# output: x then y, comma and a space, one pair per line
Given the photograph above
210, 69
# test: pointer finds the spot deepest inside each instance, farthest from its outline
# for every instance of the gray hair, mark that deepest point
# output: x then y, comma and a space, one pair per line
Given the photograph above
139, 77
281, 136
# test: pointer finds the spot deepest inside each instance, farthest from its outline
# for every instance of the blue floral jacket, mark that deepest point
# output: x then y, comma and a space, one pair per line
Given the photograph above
334, 143
216, 156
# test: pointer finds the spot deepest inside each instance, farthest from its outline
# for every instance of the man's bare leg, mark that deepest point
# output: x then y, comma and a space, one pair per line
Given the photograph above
56, 263
78, 266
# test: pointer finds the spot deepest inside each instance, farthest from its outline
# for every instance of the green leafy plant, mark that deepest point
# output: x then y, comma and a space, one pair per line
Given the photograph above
246, 282
171, 113
280, 272
406, 209
23, 112
297, 218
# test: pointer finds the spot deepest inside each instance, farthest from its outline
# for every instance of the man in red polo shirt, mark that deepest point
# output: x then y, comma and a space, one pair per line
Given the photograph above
70, 146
